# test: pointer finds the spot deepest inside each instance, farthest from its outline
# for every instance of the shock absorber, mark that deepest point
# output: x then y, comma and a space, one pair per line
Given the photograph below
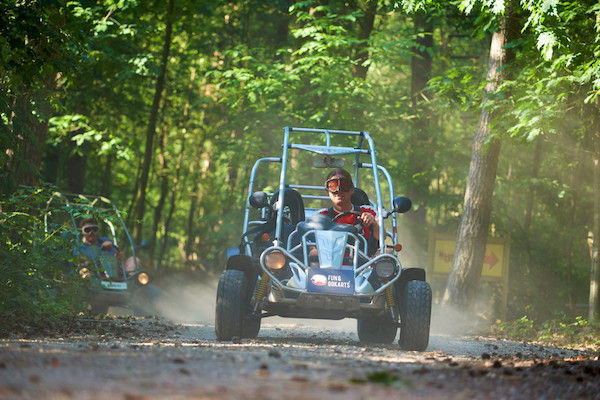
389, 297
390, 302
261, 291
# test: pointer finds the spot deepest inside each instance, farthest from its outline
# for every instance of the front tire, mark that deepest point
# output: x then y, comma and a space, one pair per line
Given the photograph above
251, 325
415, 316
233, 307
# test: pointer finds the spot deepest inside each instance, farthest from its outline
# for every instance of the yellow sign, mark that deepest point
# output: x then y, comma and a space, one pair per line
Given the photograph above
495, 261
443, 254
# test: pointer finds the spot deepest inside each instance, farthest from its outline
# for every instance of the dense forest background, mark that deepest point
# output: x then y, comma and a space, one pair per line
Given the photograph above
163, 106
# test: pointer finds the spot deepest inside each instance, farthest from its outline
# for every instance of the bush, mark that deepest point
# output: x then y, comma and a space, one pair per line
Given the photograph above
560, 331
37, 282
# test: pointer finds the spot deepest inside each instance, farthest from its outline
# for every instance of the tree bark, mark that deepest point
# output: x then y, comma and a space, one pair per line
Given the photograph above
30, 133
76, 164
106, 188
191, 231
420, 139
594, 299
535, 171
151, 131
368, 9
172, 202
164, 188
467, 265
574, 228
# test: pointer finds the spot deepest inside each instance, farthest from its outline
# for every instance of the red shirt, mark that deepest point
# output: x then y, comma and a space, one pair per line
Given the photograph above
351, 218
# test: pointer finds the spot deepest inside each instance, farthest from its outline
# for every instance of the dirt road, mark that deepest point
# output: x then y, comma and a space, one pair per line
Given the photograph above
148, 359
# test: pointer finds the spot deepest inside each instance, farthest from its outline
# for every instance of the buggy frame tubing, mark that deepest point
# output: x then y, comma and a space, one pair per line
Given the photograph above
250, 191
391, 189
279, 222
362, 135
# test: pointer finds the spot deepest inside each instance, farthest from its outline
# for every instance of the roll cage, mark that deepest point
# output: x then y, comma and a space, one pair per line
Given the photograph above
92, 203
326, 150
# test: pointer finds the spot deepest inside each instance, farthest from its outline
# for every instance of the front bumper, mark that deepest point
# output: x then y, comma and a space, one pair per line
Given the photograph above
286, 300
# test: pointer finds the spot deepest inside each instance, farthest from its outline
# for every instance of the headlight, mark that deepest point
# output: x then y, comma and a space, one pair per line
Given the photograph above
143, 278
385, 268
275, 260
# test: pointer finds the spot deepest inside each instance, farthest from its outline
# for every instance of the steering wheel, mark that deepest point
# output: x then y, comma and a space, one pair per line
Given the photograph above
351, 212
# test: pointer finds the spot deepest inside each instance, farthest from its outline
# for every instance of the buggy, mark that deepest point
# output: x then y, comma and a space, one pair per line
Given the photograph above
274, 271
114, 281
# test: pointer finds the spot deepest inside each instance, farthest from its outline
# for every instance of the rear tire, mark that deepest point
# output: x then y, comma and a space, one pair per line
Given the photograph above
233, 307
376, 330
415, 316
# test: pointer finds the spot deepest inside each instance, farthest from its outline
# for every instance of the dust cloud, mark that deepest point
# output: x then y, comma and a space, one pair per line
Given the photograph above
448, 320
185, 300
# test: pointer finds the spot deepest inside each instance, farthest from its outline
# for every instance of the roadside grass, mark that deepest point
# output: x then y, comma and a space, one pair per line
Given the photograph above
563, 332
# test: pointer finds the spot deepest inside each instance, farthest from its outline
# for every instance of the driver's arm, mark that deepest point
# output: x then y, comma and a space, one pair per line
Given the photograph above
368, 219
109, 245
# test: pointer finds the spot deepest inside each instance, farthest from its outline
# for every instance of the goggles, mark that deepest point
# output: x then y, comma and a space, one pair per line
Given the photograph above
89, 229
335, 185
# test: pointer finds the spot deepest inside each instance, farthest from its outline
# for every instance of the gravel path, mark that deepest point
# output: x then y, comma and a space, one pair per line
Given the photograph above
289, 360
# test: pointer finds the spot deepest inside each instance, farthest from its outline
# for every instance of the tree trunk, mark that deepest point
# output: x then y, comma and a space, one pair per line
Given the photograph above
191, 231
76, 164
164, 188
535, 171
172, 202
574, 228
30, 133
368, 9
135, 190
106, 188
474, 225
594, 299
150, 133
419, 157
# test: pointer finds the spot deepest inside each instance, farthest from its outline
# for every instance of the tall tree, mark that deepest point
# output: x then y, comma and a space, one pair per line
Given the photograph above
151, 131
366, 20
594, 299
473, 230
420, 141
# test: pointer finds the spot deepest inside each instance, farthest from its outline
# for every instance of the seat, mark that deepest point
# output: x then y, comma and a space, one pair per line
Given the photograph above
360, 198
294, 203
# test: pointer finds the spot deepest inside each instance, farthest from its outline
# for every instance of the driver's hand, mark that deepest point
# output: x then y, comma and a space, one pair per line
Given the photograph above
106, 245
367, 219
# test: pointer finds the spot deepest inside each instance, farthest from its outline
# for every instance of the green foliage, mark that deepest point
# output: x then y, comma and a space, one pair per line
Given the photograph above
560, 331
239, 71
384, 378
37, 281
519, 329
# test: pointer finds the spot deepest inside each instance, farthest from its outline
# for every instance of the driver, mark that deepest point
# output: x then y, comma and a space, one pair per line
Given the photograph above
93, 246
339, 187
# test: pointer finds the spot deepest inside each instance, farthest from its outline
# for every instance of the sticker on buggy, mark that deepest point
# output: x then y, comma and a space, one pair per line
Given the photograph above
114, 285
327, 280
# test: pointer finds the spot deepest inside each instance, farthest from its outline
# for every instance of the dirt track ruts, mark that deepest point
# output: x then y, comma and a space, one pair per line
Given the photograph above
286, 361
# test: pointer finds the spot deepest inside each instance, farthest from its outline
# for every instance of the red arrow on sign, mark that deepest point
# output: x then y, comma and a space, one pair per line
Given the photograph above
491, 260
